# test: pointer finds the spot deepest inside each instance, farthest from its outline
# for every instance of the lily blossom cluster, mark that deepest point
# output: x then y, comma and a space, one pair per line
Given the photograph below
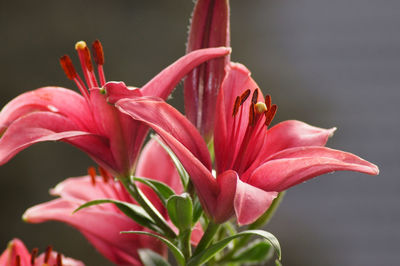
194, 184
16, 254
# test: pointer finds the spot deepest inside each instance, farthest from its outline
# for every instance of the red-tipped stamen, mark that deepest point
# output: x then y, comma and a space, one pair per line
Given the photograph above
17, 260
104, 174
98, 55
269, 116
92, 174
34, 254
86, 63
49, 249
71, 73
59, 259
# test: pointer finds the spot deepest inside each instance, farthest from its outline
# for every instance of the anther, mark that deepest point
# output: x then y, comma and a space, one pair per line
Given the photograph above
68, 67
17, 260
98, 54
269, 116
244, 96
268, 101
59, 259
260, 107
104, 174
252, 115
47, 254
92, 173
255, 96
34, 253
236, 106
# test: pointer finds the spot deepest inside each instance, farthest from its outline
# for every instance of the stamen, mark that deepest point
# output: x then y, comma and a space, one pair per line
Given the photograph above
268, 101
34, 253
104, 174
59, 260
71, 73
255, 96
98, 55
252, 115
86, 63
269, 116
260, 108
236, 106
68, 67
17, 260
92, 173
47, 254
244, 96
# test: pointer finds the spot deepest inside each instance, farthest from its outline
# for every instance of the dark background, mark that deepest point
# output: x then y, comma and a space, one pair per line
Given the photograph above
328, 63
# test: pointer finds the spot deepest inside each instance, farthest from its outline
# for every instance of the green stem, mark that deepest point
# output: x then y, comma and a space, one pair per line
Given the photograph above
262, 221
184, 239
144, 202
208, 236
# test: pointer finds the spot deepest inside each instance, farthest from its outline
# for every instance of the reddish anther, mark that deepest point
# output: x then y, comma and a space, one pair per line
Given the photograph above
17, 260
49, 249
68, 67
34, 254
92, 173
59, 260
236, 106
104, 174
269, 115
254, 98
244, 96
98, 53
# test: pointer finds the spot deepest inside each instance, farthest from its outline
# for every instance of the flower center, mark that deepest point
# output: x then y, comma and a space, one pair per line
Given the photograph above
248, 138
87, 67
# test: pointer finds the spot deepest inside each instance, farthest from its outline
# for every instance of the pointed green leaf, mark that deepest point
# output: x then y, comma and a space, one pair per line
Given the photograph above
135, 212
174, 249
161, 189
151, 258
257, 251
179, 167
197, 210
180, 211
210, 252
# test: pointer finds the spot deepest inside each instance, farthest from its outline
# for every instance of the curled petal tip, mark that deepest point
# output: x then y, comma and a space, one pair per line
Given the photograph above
332, 131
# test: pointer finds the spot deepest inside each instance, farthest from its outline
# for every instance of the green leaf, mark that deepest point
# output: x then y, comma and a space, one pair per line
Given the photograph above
197, 210
161, 189
257, 251
179, 167
135, 212
180, 211
210, 252
151, 258
174, 249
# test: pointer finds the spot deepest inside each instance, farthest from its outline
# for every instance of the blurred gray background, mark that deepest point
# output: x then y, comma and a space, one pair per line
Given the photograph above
328, 63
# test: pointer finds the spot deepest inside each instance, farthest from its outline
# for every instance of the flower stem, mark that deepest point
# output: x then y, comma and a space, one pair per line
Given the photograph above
184, 243
208, 236
144, 202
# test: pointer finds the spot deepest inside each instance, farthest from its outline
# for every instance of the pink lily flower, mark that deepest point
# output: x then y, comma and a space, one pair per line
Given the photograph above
17, 254
209, 28
253, 163
87, 121
102, 224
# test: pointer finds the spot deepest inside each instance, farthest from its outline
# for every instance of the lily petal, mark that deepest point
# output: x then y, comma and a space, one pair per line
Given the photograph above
182, 137
15, 247
33, 128
251, 202
162, 84
58, 100
227, 189
293, 133
296, 165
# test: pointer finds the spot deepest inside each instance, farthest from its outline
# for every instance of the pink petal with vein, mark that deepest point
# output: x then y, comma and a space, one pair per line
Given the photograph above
296, 165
